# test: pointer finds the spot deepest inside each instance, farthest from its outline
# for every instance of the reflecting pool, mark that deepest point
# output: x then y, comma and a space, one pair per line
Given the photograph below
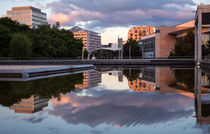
108, 100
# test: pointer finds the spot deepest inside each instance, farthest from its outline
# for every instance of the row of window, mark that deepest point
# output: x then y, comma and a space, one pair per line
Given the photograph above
25, 22
41, 15
19, 13
20, 18
144, 31
140, 34
39, 20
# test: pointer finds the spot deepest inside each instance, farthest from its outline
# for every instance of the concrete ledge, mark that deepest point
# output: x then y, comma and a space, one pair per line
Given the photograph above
101, 62
205, 64
24, 73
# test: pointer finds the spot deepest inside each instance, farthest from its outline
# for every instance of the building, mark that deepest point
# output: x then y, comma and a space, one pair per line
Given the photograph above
138, 32
147, 46
31, 16
111, 51
91, 40
160, 44
31, 105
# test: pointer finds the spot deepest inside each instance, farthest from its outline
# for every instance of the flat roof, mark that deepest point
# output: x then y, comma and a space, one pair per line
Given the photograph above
181, 31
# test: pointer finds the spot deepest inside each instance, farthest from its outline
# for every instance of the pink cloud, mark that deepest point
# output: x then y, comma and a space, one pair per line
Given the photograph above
74, 15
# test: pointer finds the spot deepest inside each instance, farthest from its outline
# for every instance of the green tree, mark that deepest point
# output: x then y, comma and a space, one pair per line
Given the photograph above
19, 46
46, 40
5, 36
13, 26
85, 54
184, 47
131, 49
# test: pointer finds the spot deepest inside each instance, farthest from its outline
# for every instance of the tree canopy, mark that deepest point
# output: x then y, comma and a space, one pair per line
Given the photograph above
44, 41
134, 48
184, 48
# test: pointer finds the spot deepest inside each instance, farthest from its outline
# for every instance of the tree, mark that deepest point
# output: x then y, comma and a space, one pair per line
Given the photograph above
5, 36
131, 48
19, 46
13, 26
46, 40
184, 47
85, 54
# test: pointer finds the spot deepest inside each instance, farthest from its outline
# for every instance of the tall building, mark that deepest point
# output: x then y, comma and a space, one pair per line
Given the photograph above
138, 32
91, 40
30, 105
28, 15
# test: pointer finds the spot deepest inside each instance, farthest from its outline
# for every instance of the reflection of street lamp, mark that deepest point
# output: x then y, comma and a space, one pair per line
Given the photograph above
142, 53
82, 54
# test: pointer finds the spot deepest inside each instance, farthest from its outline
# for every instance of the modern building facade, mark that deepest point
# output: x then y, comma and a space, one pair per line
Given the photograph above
91, 40
160, 44
138, 32
31, 16
147, 46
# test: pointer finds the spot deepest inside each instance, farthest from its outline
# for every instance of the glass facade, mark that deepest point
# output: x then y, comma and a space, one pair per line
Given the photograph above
147, 47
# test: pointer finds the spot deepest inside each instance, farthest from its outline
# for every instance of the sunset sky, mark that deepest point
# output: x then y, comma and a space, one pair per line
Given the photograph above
111, 17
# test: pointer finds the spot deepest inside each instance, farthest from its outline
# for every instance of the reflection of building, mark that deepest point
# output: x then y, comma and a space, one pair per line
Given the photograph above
139, 85
31, 105
91, 79
91, 40
138, 32
28, 15
145, 82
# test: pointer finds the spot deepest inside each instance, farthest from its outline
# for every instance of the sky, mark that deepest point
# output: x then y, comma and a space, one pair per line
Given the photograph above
111, 18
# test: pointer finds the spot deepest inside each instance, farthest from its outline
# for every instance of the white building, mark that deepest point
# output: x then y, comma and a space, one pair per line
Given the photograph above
31, 16
91, 40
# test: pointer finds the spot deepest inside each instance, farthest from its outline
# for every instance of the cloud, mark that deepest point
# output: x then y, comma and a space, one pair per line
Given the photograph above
121, 108
106, 13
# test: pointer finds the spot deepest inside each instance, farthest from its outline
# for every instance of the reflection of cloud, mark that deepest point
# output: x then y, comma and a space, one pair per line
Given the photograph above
53, 130
35, 119
122, 108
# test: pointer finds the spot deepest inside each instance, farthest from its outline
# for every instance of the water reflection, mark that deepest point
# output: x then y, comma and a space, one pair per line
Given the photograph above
13, 91
117, 98
31, 105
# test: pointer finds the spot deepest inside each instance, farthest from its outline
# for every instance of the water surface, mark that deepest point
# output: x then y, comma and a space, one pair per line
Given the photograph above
109, 101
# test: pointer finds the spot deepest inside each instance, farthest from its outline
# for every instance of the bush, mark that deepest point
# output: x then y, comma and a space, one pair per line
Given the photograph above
19, 46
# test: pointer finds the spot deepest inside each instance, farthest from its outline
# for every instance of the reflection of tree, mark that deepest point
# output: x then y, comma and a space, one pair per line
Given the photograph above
186, 77
12, 92
131, 74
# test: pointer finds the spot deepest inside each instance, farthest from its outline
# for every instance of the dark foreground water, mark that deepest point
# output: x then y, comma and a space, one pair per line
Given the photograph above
147, 100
